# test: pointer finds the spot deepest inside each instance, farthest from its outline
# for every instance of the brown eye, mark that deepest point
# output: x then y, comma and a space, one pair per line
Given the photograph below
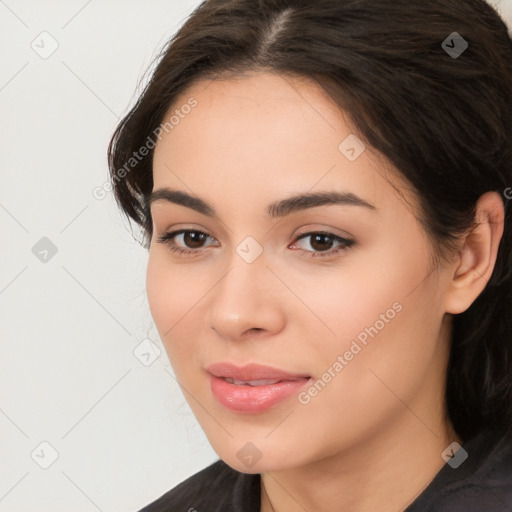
190, 241
194, 239
321, 242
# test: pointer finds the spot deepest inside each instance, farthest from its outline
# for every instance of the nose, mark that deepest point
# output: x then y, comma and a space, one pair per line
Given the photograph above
248, 301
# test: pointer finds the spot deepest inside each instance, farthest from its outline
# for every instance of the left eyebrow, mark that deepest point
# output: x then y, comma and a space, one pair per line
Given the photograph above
305, 201
277, 209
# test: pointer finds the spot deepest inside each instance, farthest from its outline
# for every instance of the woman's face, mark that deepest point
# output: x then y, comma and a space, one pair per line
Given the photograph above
363, 322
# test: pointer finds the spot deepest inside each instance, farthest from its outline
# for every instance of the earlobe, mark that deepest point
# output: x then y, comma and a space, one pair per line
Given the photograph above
478, 254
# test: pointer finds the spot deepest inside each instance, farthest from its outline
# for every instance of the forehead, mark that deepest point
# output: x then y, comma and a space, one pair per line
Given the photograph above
265, 132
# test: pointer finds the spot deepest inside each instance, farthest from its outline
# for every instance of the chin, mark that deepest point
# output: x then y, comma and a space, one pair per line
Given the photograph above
246, 457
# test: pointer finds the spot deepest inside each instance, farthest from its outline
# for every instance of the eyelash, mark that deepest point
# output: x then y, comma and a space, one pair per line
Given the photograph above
345, 243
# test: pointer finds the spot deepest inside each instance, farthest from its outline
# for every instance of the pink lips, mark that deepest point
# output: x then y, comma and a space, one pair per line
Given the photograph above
246, 398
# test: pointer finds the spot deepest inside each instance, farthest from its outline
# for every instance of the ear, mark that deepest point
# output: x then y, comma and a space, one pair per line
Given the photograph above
477, 257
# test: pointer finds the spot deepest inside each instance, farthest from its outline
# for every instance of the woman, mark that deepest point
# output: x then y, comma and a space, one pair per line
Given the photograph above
322, 186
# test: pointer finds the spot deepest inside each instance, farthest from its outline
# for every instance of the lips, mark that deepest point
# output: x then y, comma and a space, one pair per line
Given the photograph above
253, 388
252, 374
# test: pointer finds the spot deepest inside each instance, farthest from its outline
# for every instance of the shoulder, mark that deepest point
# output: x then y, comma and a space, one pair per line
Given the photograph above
212, 489
481, 479
490, 484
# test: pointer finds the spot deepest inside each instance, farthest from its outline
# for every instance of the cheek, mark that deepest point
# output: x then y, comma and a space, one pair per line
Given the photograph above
384, 317
157, 289
171, 296
346, 303
378, 289
384, 360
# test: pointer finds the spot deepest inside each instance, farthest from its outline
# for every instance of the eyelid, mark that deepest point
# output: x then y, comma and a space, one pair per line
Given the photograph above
325, 229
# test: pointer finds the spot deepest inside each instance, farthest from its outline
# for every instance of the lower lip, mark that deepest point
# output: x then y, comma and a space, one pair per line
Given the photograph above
253, 399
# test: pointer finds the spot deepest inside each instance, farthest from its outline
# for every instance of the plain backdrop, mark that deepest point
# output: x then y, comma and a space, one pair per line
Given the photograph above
91, 417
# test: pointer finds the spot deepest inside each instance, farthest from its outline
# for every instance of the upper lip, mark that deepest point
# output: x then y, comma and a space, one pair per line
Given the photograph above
251, 371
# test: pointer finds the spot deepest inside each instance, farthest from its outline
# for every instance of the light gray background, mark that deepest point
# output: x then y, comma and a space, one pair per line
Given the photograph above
72, 326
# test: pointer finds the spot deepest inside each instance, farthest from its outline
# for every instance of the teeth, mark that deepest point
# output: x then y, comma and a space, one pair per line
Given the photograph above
261, 382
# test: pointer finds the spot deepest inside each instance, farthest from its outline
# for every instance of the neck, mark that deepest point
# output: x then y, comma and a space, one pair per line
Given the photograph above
384, 471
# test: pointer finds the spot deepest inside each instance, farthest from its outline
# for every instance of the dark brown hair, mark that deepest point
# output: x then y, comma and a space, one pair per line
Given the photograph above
444, 120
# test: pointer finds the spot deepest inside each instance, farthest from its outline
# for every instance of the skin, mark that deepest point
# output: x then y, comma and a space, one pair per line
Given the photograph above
372, 438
